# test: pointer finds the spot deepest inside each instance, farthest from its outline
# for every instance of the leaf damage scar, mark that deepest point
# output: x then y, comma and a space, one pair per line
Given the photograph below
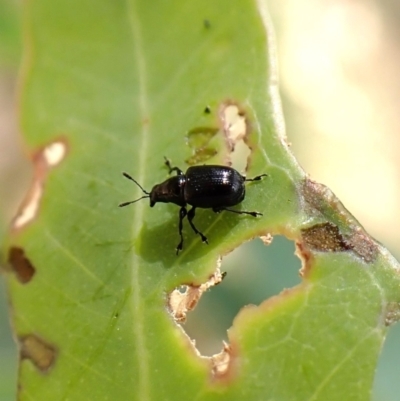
327, 237
39, 352
44, 160
20, 265
183, 300
236, 128
225, 142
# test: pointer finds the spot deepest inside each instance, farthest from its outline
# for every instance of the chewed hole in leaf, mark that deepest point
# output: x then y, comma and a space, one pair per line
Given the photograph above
235, 127
185, 298
44, 159
255, 272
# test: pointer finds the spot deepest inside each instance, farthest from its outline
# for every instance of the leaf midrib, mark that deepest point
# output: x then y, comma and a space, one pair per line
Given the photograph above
136, 309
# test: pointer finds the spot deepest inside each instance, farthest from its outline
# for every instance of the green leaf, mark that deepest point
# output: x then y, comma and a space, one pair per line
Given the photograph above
113, 86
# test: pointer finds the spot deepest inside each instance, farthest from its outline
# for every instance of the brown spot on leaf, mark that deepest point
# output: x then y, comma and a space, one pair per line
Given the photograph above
392, 313
324, 237
45, 159
39, 352
181, 302
20, 264
319, 201
363, 245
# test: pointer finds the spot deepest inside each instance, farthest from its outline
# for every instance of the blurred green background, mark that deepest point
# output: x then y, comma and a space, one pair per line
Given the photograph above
339, 64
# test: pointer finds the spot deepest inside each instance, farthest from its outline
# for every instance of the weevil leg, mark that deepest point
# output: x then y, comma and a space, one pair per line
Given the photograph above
182, 214
191, 215
171, 169
254, 214
256, 178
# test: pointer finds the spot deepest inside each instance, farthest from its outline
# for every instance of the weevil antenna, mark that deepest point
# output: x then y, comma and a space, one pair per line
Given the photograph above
126, 175
128, 203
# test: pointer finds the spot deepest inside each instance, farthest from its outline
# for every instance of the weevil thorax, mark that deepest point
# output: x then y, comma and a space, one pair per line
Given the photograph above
169, 191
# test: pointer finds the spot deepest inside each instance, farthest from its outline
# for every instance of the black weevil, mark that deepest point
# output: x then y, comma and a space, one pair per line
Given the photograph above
208, 187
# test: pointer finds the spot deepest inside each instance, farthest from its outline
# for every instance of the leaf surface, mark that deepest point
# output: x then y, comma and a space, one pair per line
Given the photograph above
112, 86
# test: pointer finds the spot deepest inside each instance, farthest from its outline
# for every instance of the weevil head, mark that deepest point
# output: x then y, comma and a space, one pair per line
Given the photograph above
154, 195
169, 191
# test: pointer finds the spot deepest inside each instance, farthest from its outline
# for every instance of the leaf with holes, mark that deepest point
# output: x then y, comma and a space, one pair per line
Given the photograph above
96, 292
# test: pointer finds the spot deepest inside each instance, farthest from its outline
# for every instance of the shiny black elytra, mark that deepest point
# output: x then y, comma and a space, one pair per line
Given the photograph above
208, 187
